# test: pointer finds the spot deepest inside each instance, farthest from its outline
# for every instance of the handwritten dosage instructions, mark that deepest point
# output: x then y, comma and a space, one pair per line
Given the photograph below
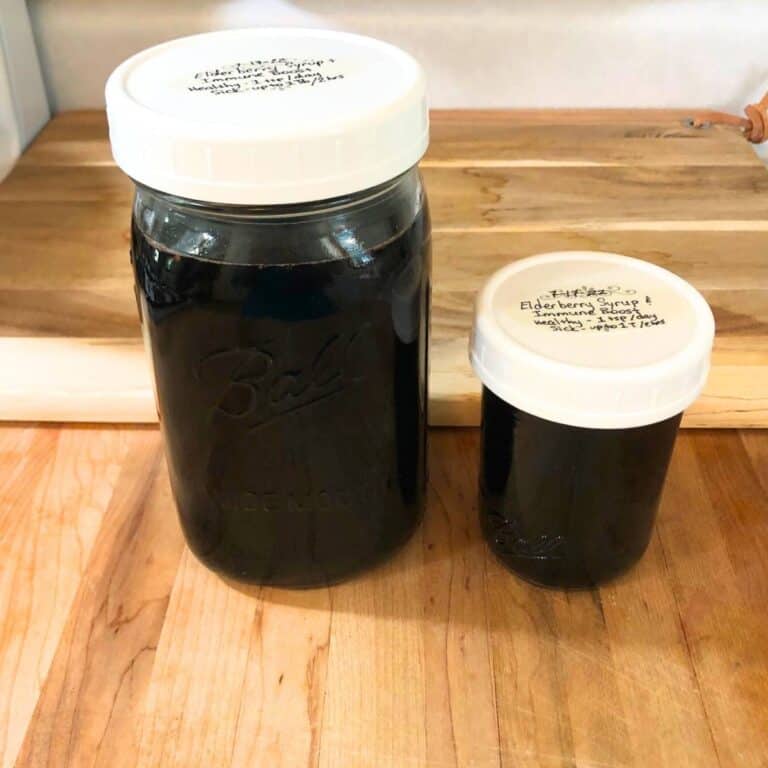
589, 308
276, 74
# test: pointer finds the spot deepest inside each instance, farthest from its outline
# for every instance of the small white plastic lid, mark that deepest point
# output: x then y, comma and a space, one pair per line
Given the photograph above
592, 339
267, 116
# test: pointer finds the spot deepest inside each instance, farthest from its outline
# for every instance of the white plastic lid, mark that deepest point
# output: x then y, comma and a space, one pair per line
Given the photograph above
267, 116
592, 339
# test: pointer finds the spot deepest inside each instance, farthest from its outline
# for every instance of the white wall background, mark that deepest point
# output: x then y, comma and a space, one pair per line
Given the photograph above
478, 53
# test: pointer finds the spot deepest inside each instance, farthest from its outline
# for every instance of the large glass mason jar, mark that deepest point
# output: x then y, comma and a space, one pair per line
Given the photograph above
282, 278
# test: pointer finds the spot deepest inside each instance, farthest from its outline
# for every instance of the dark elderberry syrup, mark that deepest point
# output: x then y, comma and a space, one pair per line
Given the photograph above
293, 403
568, 506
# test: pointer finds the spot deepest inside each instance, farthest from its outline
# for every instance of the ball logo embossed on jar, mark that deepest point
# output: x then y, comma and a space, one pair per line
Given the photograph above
257, 384
509, 539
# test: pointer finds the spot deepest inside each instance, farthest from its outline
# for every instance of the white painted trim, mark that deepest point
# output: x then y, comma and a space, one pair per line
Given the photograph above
10, 144
23, 102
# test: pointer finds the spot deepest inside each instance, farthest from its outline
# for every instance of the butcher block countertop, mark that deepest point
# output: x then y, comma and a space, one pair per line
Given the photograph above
501, 185
117, 648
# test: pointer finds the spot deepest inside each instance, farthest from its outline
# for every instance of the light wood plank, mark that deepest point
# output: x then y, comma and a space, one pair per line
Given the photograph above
69, 313
64, 245
531, 703
67, 184
375, 699
78, 137
86, 714
461, 724
28, 455
655, 677
502, 140
281, 704
709, 260
51, 508
63, 283
651, 137
195, 693
86, 380
488, 198
756, 444
713, 537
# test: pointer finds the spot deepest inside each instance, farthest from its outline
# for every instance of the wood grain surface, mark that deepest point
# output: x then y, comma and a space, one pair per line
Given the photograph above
502, 186
117, 648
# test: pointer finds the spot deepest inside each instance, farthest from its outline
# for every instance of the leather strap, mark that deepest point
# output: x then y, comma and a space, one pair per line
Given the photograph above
754, 125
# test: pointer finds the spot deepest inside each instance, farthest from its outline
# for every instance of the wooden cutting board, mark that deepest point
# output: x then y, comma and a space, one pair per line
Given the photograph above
502, 185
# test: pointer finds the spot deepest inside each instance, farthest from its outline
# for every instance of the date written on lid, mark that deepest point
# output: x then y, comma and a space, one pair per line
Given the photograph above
592, 308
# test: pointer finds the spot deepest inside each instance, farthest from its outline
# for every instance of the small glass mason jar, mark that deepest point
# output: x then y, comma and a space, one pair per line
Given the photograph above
588, 361
285, 305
